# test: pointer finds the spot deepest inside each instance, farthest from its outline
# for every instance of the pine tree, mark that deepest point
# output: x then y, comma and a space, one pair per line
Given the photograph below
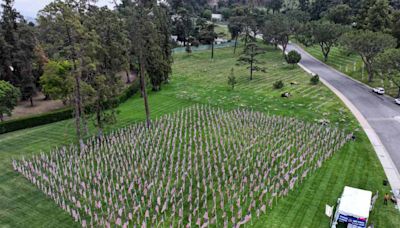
63, 24
250, 52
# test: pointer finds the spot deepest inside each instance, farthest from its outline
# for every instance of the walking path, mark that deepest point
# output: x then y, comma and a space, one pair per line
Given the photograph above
378, 115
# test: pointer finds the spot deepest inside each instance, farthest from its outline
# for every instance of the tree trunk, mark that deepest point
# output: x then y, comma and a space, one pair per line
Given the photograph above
370, 73
398, 93
77, 106
1, 117
325, 51
234, 49
98, 119
78, 102
251, 68
143, 86
31, 100
128, 78
212, 50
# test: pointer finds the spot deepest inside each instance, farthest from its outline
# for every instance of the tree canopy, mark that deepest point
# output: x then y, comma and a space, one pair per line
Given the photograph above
368, 45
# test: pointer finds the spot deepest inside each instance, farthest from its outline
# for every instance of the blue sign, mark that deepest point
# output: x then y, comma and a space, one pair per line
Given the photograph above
352, 220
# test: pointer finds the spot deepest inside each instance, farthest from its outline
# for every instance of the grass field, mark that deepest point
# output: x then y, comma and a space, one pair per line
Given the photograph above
197, 79
352, 65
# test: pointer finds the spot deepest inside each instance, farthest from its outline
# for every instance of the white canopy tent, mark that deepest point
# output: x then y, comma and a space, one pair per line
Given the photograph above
354, 207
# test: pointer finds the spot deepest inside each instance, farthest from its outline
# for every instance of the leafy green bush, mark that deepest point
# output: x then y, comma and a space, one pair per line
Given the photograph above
314, 80
59, 115
293, 57
278, 84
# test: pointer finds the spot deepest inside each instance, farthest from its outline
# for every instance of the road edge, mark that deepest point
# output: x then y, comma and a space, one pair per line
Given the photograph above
387, 163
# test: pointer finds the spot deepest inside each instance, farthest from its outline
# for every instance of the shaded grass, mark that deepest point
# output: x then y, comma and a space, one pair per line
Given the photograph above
197, 79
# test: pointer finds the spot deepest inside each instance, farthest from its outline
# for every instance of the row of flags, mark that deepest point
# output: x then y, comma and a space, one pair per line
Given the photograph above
200, 166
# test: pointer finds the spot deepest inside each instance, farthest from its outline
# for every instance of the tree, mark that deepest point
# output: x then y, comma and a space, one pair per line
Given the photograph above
57, 80
183, 27
277, 31
249, 56
304, 5
9, 96
378, 19
293, 57
232, 79
340, 14
395, 4
235, 27
208, 36
17, 51
396, 26
62, 26
274, 5
319, 7
325, 34
368, 45
163, 26
207, 14
388, 63
374, 15
140, 33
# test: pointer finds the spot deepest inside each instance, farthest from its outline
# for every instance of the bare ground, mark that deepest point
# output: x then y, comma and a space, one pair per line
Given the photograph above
24, 108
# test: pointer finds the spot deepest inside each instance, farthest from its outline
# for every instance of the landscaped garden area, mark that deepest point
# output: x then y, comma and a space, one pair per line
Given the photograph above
198, 82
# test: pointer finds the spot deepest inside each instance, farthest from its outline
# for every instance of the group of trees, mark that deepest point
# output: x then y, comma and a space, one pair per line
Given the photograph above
20, 62
370, 28
79, 49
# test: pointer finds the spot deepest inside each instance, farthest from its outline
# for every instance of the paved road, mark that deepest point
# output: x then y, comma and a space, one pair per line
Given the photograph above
380, 111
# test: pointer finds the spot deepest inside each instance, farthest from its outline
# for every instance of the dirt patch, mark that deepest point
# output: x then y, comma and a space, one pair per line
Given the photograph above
24, 108
40, 105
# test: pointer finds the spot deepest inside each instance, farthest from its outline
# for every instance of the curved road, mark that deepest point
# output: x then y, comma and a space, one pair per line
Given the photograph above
382, 114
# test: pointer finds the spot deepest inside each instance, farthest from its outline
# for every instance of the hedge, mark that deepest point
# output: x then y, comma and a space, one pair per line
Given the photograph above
63, 114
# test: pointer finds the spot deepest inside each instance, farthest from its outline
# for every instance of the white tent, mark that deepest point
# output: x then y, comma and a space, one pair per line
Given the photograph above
353, 207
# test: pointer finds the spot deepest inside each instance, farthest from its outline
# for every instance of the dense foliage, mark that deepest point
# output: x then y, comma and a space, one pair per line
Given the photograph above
9, 96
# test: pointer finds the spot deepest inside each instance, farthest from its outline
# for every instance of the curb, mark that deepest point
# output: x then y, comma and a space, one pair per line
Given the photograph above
339, 72
386, 161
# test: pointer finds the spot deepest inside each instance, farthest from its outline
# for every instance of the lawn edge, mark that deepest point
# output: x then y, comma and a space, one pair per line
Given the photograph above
386, 161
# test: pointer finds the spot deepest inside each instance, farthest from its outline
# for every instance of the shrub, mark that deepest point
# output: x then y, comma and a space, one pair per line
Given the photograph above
9, 96
293, 57
232, 79
207, 14
314, 80
279, 84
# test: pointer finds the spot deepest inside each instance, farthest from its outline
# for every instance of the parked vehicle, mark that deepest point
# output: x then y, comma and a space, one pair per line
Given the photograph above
397, 101
379, 90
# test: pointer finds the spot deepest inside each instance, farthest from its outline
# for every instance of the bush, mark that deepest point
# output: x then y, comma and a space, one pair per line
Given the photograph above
314, 80
279, 84
293, 57
59, 115
207, 14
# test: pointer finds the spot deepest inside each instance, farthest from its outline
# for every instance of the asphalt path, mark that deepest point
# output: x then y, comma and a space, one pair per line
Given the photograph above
380, 111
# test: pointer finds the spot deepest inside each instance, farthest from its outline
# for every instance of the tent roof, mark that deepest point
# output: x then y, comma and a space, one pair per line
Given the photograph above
355, 202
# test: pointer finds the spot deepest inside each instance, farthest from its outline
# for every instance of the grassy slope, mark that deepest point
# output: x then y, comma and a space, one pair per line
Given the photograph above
197, 79
352, 65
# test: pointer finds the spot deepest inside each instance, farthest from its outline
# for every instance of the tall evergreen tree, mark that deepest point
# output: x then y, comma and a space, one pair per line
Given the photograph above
249, 56
69, 39
17, 50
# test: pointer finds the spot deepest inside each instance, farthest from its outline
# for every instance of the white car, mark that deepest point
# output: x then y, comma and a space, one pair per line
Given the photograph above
379, 90
397, 101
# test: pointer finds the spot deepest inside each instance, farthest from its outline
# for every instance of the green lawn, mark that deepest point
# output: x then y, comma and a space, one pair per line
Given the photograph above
197, 79
352, 65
